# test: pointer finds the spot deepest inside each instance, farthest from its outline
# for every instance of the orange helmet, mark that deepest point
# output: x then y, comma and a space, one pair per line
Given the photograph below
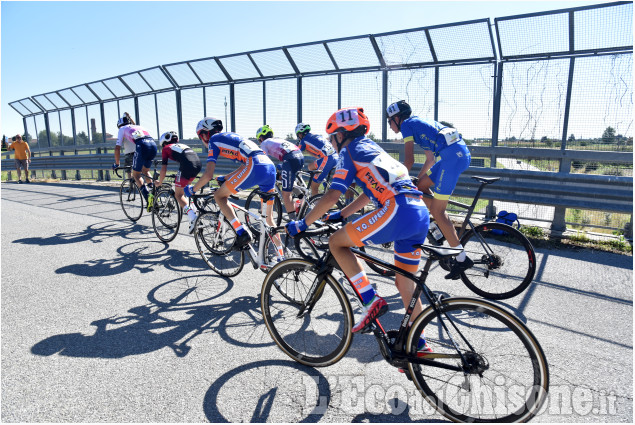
347, 119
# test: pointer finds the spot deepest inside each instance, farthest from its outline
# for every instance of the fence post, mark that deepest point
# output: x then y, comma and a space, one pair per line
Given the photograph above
63, 171
9, 176
559, 213
100, 173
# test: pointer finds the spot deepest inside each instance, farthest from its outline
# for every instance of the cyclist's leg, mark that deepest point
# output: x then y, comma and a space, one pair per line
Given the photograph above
318, 178
289, 171
441, 187
231, 187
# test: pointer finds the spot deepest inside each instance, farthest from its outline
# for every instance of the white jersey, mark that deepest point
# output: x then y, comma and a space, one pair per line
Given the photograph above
127, 136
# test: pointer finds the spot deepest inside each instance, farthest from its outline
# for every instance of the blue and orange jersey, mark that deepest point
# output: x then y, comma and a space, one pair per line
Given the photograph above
231, 146
380, 176
430, 135
317, 146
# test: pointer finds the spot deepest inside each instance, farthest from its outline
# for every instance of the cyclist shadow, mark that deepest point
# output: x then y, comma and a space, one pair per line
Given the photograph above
275, 387
400, 413
95, 233
174, 317
142, 255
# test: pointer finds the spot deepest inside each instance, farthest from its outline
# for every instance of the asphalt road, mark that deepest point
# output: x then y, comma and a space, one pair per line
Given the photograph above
103, 323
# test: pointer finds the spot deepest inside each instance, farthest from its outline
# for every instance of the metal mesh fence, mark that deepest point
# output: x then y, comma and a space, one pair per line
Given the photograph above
248, 108
217, 104
533, 103
363, 89
565, 83
319, 94
192, 107
282, 107
465, 100
601, 116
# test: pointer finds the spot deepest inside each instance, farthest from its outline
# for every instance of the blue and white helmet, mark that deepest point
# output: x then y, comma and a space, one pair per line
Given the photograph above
123, 121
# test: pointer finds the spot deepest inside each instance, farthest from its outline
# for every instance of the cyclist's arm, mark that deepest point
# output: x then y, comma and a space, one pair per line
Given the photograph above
206, 177
164, 170
427, 165
117, 154
324, 204
359, 203
409, 149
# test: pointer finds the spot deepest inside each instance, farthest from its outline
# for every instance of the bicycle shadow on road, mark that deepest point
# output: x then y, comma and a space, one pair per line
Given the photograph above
181, 313
143, 255
95, 233
278, 391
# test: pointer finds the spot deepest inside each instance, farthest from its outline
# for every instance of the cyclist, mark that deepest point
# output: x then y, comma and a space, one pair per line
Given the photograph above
145, 150
189, 167
385, 181
257, 170
435, 178
292, 162
318, 147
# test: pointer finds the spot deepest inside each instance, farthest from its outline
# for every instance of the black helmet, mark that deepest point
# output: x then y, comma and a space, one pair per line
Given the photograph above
400, 108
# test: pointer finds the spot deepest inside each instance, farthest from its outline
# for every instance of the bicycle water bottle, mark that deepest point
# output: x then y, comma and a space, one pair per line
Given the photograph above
436, 233
297, 205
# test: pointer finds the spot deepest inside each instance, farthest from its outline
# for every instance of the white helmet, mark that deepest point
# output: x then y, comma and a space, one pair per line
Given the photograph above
210, 124
302, 128
169, 137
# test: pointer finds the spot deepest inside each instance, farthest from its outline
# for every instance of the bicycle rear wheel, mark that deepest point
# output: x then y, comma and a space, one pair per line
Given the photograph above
215, 239
320, 336
255, 205
504, 261
505, 375
166, 215
131, 200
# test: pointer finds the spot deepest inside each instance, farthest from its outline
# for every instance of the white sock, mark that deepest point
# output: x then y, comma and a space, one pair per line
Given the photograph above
191, 214
461, 257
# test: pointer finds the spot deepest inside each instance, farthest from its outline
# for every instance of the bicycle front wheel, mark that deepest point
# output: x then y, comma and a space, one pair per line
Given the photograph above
215, 239
255, 205
504, 376
504, 261
131, 200
315, 334
166, 215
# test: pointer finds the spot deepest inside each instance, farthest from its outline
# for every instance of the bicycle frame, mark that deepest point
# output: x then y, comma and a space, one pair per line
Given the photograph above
394, 353
257, 258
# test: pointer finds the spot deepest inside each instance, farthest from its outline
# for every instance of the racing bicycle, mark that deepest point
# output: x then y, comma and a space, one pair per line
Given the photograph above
504, 259
215, 238
485, 364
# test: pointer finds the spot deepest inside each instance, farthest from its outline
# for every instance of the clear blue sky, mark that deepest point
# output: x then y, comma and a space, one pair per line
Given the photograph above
50, 46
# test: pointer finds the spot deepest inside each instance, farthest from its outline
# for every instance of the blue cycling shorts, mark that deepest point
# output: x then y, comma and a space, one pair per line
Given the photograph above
386, 224
325, 165
257, 171
145, 151
445, 173
291, 164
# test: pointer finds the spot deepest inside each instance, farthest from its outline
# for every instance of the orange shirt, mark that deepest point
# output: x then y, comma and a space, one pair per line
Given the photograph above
20, 149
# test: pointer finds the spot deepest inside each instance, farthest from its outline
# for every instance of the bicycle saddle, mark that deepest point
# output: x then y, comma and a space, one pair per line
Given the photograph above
439, 251
486, 180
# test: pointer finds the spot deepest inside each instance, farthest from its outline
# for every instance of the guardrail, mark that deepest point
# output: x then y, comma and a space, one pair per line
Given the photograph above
560, 190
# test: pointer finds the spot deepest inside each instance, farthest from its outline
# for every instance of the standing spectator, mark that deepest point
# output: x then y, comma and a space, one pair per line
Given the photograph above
22, 156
